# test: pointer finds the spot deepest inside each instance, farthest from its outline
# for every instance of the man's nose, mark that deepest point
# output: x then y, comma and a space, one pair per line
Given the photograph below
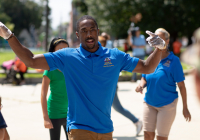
88, 33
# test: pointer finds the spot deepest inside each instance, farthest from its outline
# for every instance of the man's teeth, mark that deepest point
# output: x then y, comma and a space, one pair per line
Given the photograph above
90, 40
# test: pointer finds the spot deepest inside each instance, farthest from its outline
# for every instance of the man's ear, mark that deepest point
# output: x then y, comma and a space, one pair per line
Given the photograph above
98, 32
77, 35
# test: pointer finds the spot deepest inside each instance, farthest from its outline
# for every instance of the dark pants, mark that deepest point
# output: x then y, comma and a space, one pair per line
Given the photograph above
21, 75
55, 132
118, 107
134, 77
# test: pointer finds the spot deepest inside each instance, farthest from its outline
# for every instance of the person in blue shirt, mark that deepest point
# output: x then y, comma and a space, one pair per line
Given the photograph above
91, 74
161, 96
138, 47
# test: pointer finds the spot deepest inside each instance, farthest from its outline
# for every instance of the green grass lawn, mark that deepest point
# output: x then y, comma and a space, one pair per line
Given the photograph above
5, 56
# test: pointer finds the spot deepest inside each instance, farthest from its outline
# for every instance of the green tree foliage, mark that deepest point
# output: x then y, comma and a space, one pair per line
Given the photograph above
179, 17
112, 15
23, 13
6, 19
81, 6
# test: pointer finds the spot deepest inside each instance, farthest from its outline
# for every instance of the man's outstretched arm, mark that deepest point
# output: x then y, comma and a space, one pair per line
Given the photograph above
31, 60
148, 66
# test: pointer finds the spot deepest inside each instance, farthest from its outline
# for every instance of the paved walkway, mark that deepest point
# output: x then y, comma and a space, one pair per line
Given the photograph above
23, 114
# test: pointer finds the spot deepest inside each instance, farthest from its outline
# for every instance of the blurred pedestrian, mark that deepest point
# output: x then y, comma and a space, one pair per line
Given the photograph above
126, 46
3, 131
102, 40
19, 67
177, 47
12, 67
161, 97
91, 74
117, 105
192, 57
109, 43
55, 109
138, 44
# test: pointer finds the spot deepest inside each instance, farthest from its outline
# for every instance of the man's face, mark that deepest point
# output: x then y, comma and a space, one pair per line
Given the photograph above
88, 35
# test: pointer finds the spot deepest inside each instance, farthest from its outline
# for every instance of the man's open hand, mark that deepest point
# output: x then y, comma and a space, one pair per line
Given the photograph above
155, 41
4, 31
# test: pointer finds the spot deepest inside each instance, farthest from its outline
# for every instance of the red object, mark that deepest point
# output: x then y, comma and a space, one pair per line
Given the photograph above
125, 47
177, 47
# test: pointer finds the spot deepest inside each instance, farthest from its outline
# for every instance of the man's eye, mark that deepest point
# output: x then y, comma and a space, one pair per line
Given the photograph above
83, 31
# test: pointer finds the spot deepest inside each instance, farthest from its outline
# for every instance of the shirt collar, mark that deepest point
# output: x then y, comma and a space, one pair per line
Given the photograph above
85, 53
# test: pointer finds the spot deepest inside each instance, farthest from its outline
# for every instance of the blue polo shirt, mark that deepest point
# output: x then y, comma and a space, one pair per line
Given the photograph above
91, 80
161, 85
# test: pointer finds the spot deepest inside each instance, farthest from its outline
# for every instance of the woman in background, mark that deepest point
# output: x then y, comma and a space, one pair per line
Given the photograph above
160, 101
55, 109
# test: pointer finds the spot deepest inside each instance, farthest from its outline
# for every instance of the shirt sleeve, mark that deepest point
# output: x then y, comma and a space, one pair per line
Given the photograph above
47, 73
177, 71
56, 59
144, 76
128, 63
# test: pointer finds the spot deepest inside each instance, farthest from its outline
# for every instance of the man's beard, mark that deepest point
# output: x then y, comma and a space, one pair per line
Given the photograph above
91, 47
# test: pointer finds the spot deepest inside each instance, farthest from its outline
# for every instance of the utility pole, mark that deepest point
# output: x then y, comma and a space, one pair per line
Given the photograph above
47, 25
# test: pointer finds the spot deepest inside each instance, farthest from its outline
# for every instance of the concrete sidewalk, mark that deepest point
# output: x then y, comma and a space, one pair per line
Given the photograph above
23, 114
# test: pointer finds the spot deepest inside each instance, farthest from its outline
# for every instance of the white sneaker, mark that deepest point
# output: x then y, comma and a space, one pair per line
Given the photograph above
138, 127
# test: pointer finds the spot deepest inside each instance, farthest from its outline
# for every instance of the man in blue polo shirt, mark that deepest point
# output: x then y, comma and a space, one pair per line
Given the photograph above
91, 73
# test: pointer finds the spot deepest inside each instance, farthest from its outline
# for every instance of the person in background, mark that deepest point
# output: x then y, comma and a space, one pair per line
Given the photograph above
109, 43
55, 109
138, 43
3, 131
102, 40
177, 47
160, 101
117, 105
192, 57
126, 46
19, 67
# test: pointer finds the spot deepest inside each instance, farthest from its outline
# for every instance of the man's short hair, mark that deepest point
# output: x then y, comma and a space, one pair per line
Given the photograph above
84, 18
